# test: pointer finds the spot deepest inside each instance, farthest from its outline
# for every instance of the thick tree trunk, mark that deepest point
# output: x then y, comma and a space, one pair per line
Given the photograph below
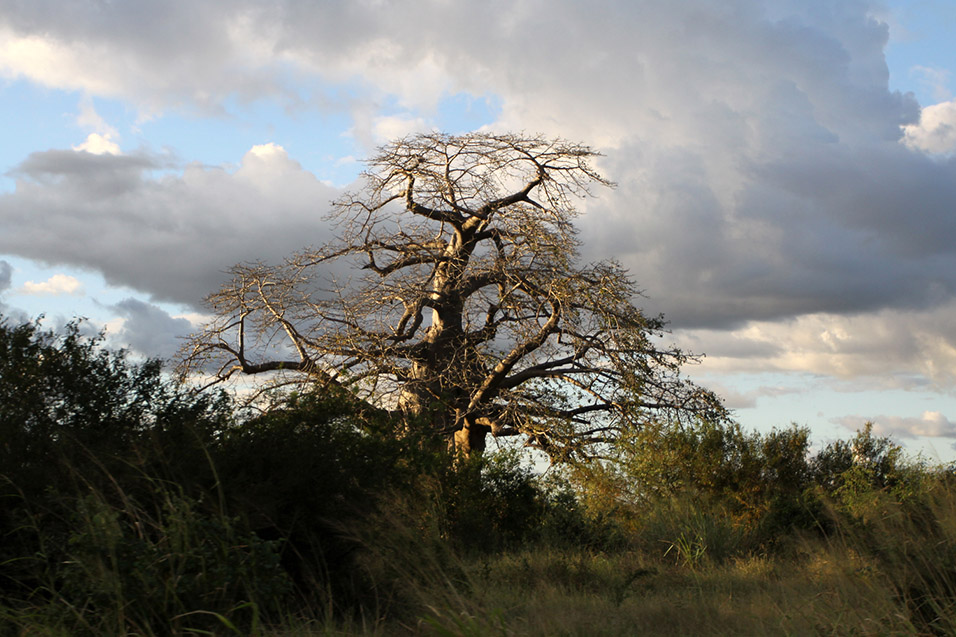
418, 403
470, 439
428, 395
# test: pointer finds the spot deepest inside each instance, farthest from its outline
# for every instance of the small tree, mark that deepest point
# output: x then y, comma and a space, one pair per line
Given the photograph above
470, 314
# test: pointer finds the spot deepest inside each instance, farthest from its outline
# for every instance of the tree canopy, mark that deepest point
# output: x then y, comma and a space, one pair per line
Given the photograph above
465, 307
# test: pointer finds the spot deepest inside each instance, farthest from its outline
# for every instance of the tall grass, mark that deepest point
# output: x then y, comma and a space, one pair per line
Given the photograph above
156, 561
108, 563
130, 507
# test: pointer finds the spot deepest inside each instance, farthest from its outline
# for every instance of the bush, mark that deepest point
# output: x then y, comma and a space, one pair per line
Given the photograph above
759, 483
76, 419
479, 504
306, 472
121, 485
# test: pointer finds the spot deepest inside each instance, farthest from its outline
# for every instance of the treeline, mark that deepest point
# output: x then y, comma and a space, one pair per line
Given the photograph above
130, 504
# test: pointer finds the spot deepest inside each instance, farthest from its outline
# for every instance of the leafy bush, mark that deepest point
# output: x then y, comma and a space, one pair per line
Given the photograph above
761, 484
76, 419
692, 532
307, 473
118, 484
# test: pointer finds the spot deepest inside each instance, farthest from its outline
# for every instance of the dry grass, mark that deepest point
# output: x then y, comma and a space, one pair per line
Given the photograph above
545, 593
892, 574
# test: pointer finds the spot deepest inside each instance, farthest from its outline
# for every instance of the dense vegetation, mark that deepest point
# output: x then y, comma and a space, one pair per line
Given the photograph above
133, 505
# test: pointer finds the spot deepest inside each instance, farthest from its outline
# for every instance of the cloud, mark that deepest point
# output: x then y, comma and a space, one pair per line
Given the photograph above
89, 119
172, 236
158, 56
888, 349
6, 276
56, 285
936, 131
736, 399
150, 330
389, 127
97, 144
11, 314
773, 190
931, 424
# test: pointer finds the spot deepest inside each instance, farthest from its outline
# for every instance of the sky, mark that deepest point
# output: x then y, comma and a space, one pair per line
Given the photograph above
785, 169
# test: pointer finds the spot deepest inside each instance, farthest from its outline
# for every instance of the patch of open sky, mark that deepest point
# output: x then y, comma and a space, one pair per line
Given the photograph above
464, 112
91, 299
820, 402
921, 54
34, 119
315, 127
311, 135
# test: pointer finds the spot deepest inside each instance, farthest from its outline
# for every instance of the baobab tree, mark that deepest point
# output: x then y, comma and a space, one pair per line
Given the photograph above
465, 310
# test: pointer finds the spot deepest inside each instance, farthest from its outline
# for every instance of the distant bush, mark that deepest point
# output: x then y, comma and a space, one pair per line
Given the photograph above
760, 484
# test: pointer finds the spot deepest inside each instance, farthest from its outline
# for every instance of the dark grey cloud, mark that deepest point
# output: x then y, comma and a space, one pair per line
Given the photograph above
13, 314
171, 236
6, 276
150, 330
835, 232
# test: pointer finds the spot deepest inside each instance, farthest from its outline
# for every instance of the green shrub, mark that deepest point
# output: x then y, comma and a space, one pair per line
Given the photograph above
480, 504
758, 485
179, 483
306, 472
567, 522
76, 419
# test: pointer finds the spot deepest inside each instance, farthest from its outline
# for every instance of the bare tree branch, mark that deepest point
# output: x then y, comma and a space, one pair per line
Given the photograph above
468, 310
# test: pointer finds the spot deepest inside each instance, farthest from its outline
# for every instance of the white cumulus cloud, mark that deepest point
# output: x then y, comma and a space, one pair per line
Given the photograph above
56, 285
936, 131
97, 144
891, 348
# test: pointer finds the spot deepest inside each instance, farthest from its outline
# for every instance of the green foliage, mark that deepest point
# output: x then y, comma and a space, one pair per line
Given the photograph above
130, 504
758, 483
497, 502
568, 522
480, 504
490, 502
305, 473
153, 571
859, 472
691, 532
76, 419
131, 500
910, 543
